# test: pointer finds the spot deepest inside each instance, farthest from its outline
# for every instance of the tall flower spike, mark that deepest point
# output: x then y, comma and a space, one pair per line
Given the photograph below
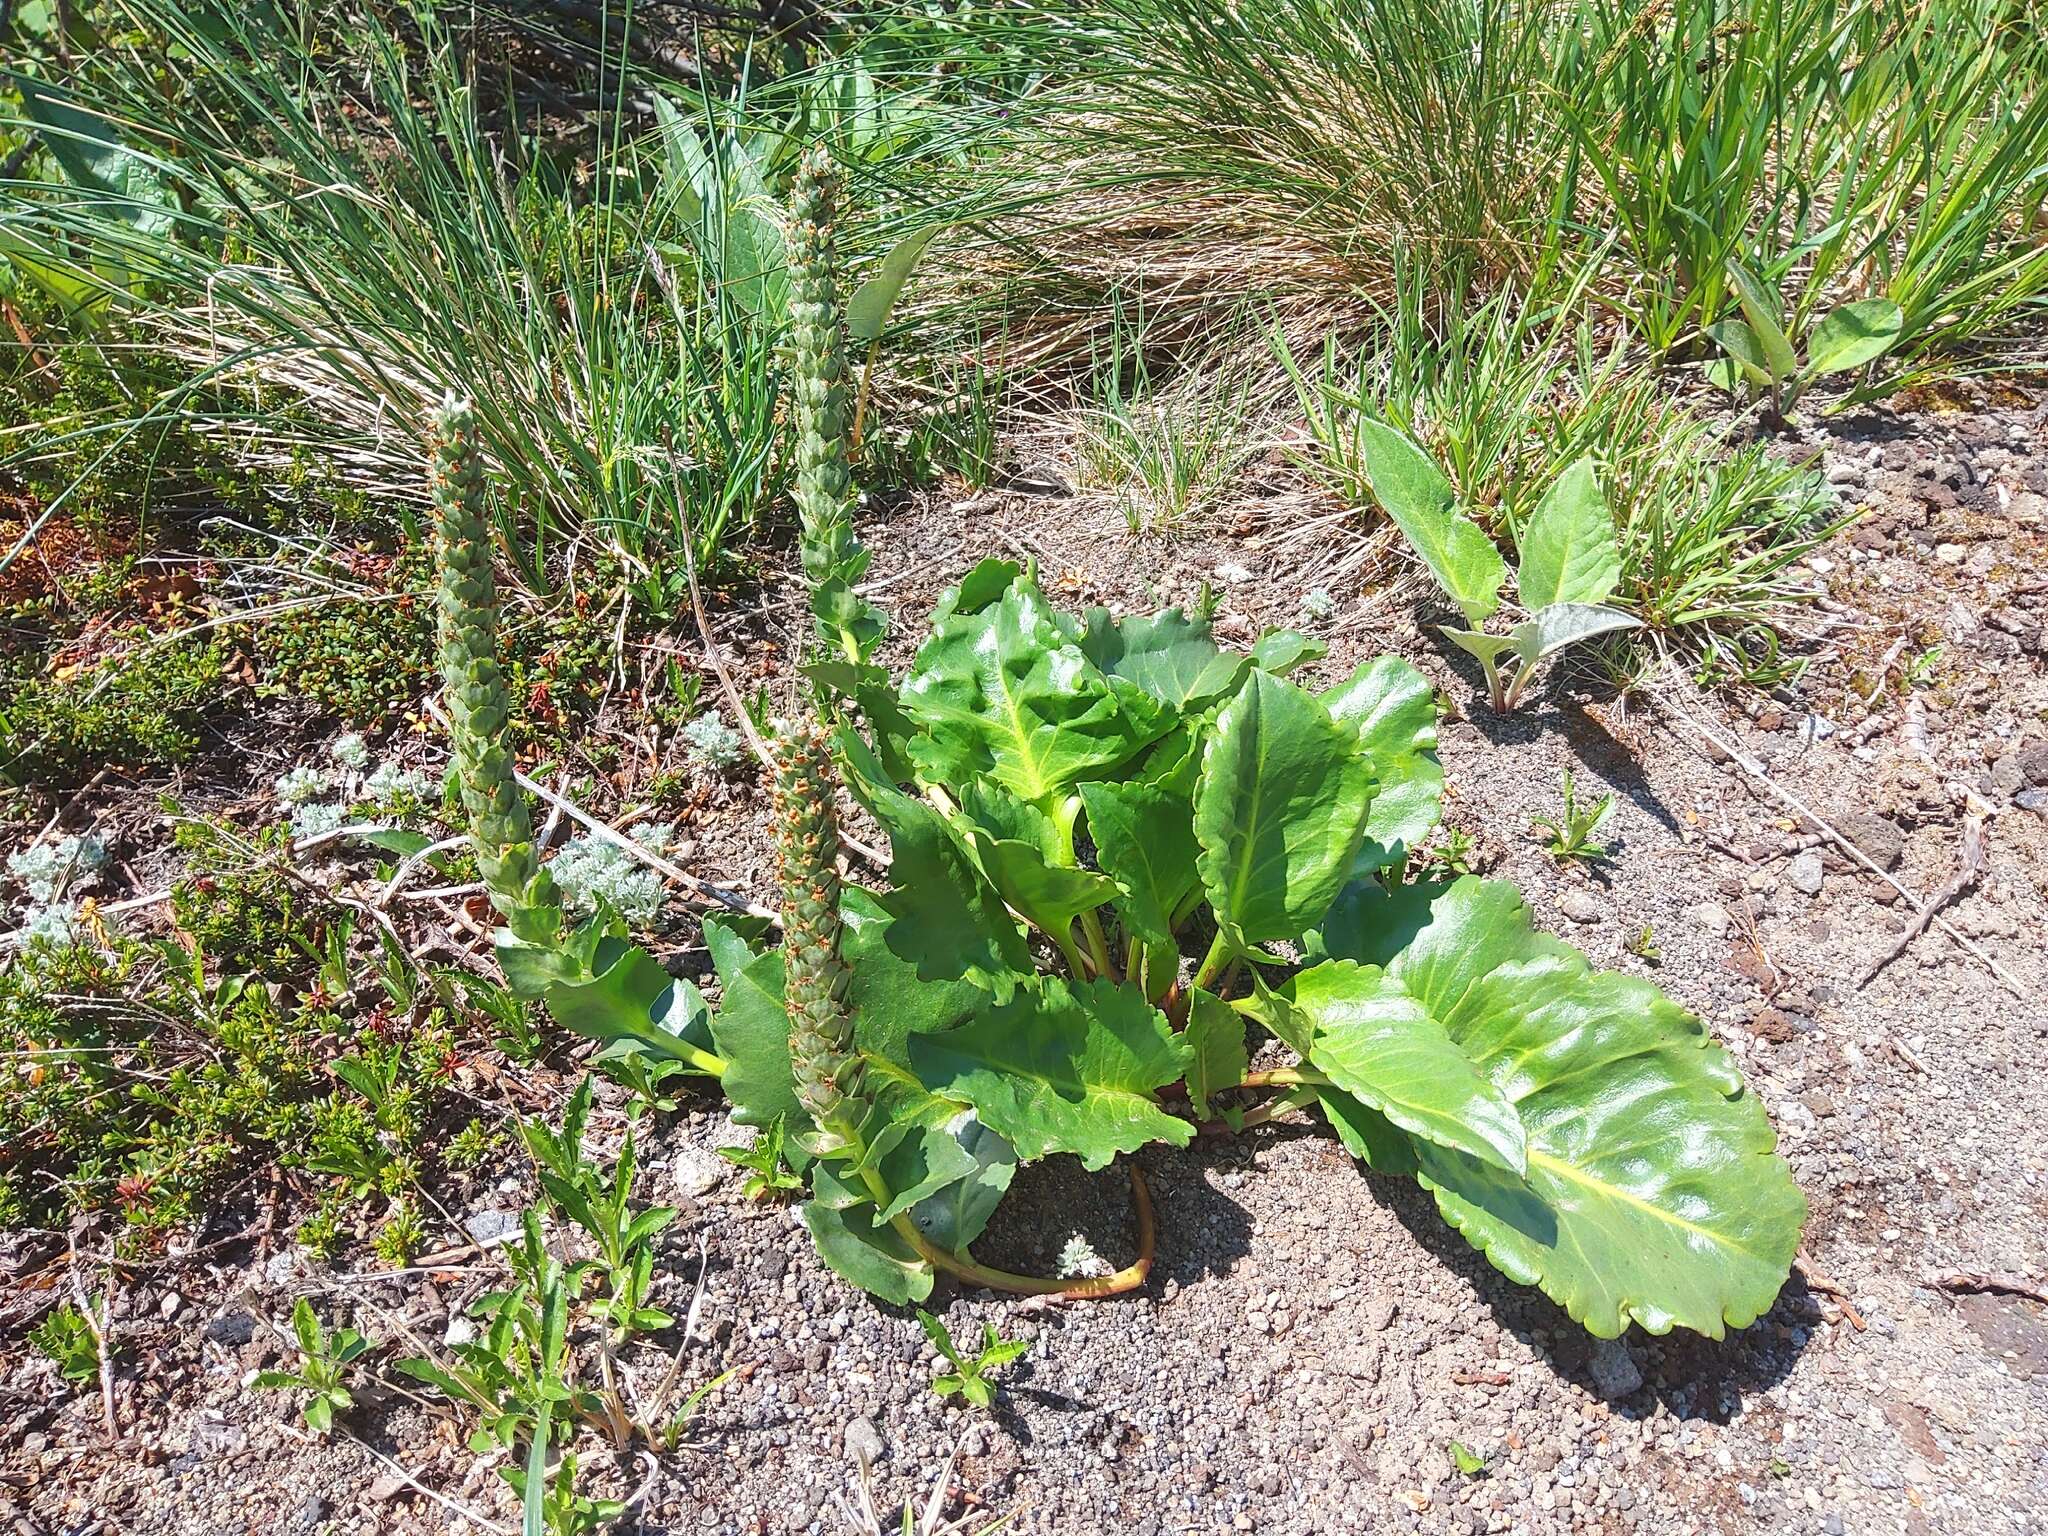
829, 1076
833, 559
467, 606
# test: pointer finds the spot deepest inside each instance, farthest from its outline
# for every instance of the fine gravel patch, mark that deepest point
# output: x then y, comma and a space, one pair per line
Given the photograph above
1314, 1339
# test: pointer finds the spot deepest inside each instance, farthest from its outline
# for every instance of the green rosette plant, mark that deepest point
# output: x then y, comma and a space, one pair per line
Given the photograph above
1120, 856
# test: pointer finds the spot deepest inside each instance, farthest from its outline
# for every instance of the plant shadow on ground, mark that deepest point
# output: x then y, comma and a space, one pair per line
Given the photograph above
1557, 709
1690, 1376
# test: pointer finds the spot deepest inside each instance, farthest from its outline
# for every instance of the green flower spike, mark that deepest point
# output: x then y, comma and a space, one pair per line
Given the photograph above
467, 603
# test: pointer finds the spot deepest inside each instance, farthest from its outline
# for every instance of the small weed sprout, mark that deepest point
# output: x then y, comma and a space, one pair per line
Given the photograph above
350, 752
1573, 832
1450, 857
1644, 946
1078, 1259
67, 1337
969, 1377
323, 1360
1470, 1463
713, 743
769, 1174
1318, 606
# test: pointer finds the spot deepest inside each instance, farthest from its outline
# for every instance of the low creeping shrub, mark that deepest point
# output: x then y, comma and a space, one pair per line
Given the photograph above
1115, 849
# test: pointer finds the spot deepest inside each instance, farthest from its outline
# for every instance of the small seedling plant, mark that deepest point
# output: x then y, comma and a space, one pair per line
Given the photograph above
969, 1377
1569, 562
1120, 856
1573, 833
66, 1337
1760, 353
768, 1170
324, 1359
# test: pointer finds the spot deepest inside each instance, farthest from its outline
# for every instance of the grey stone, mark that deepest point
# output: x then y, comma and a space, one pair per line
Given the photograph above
1579, 906
1805, 873
697, 1171
1614, 1370
233, 1328
864, 1442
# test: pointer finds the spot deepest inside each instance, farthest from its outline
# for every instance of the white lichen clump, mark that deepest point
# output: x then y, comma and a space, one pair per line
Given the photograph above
350, 752
1078, 1260
1317, 606
52, 874
301, 785
392, 781
714, 743
590, 870
66, 863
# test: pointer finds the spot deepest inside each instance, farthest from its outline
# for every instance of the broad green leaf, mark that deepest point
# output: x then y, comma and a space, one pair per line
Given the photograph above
1000, 815
1853, 335
1568, 550
1421, 503
1167, 654
1563, 624
1215, 1036
1393, 709
1367, 1134
1145, 840
628, 997
1377, 1042
1745, 355
1280, 811
873, 1256
1488, 649
1763, 308
1064, 1067
889, 1003
1281, 651
867, 311
1005, 692
1050, 895
950, 923
93, 158
1654, 1194
751, 1031
1723, 373
955, 1215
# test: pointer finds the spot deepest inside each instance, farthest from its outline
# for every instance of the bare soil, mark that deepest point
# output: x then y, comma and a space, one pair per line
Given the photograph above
1314, 1339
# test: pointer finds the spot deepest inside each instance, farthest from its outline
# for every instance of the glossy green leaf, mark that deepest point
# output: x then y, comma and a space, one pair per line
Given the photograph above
869, 307
1378, 1043
1565, 624
1050, 895
1215, 1036
1145, 841
1064, 1067
751, 1031
950, 923
1004, 692
1568, 550
1280, 811
857, 1248
1281, 651
1853, 335
955, 1214
1168, 654
1654, 1194
1393, 709
1422, 504
1763, 309
1745, 355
